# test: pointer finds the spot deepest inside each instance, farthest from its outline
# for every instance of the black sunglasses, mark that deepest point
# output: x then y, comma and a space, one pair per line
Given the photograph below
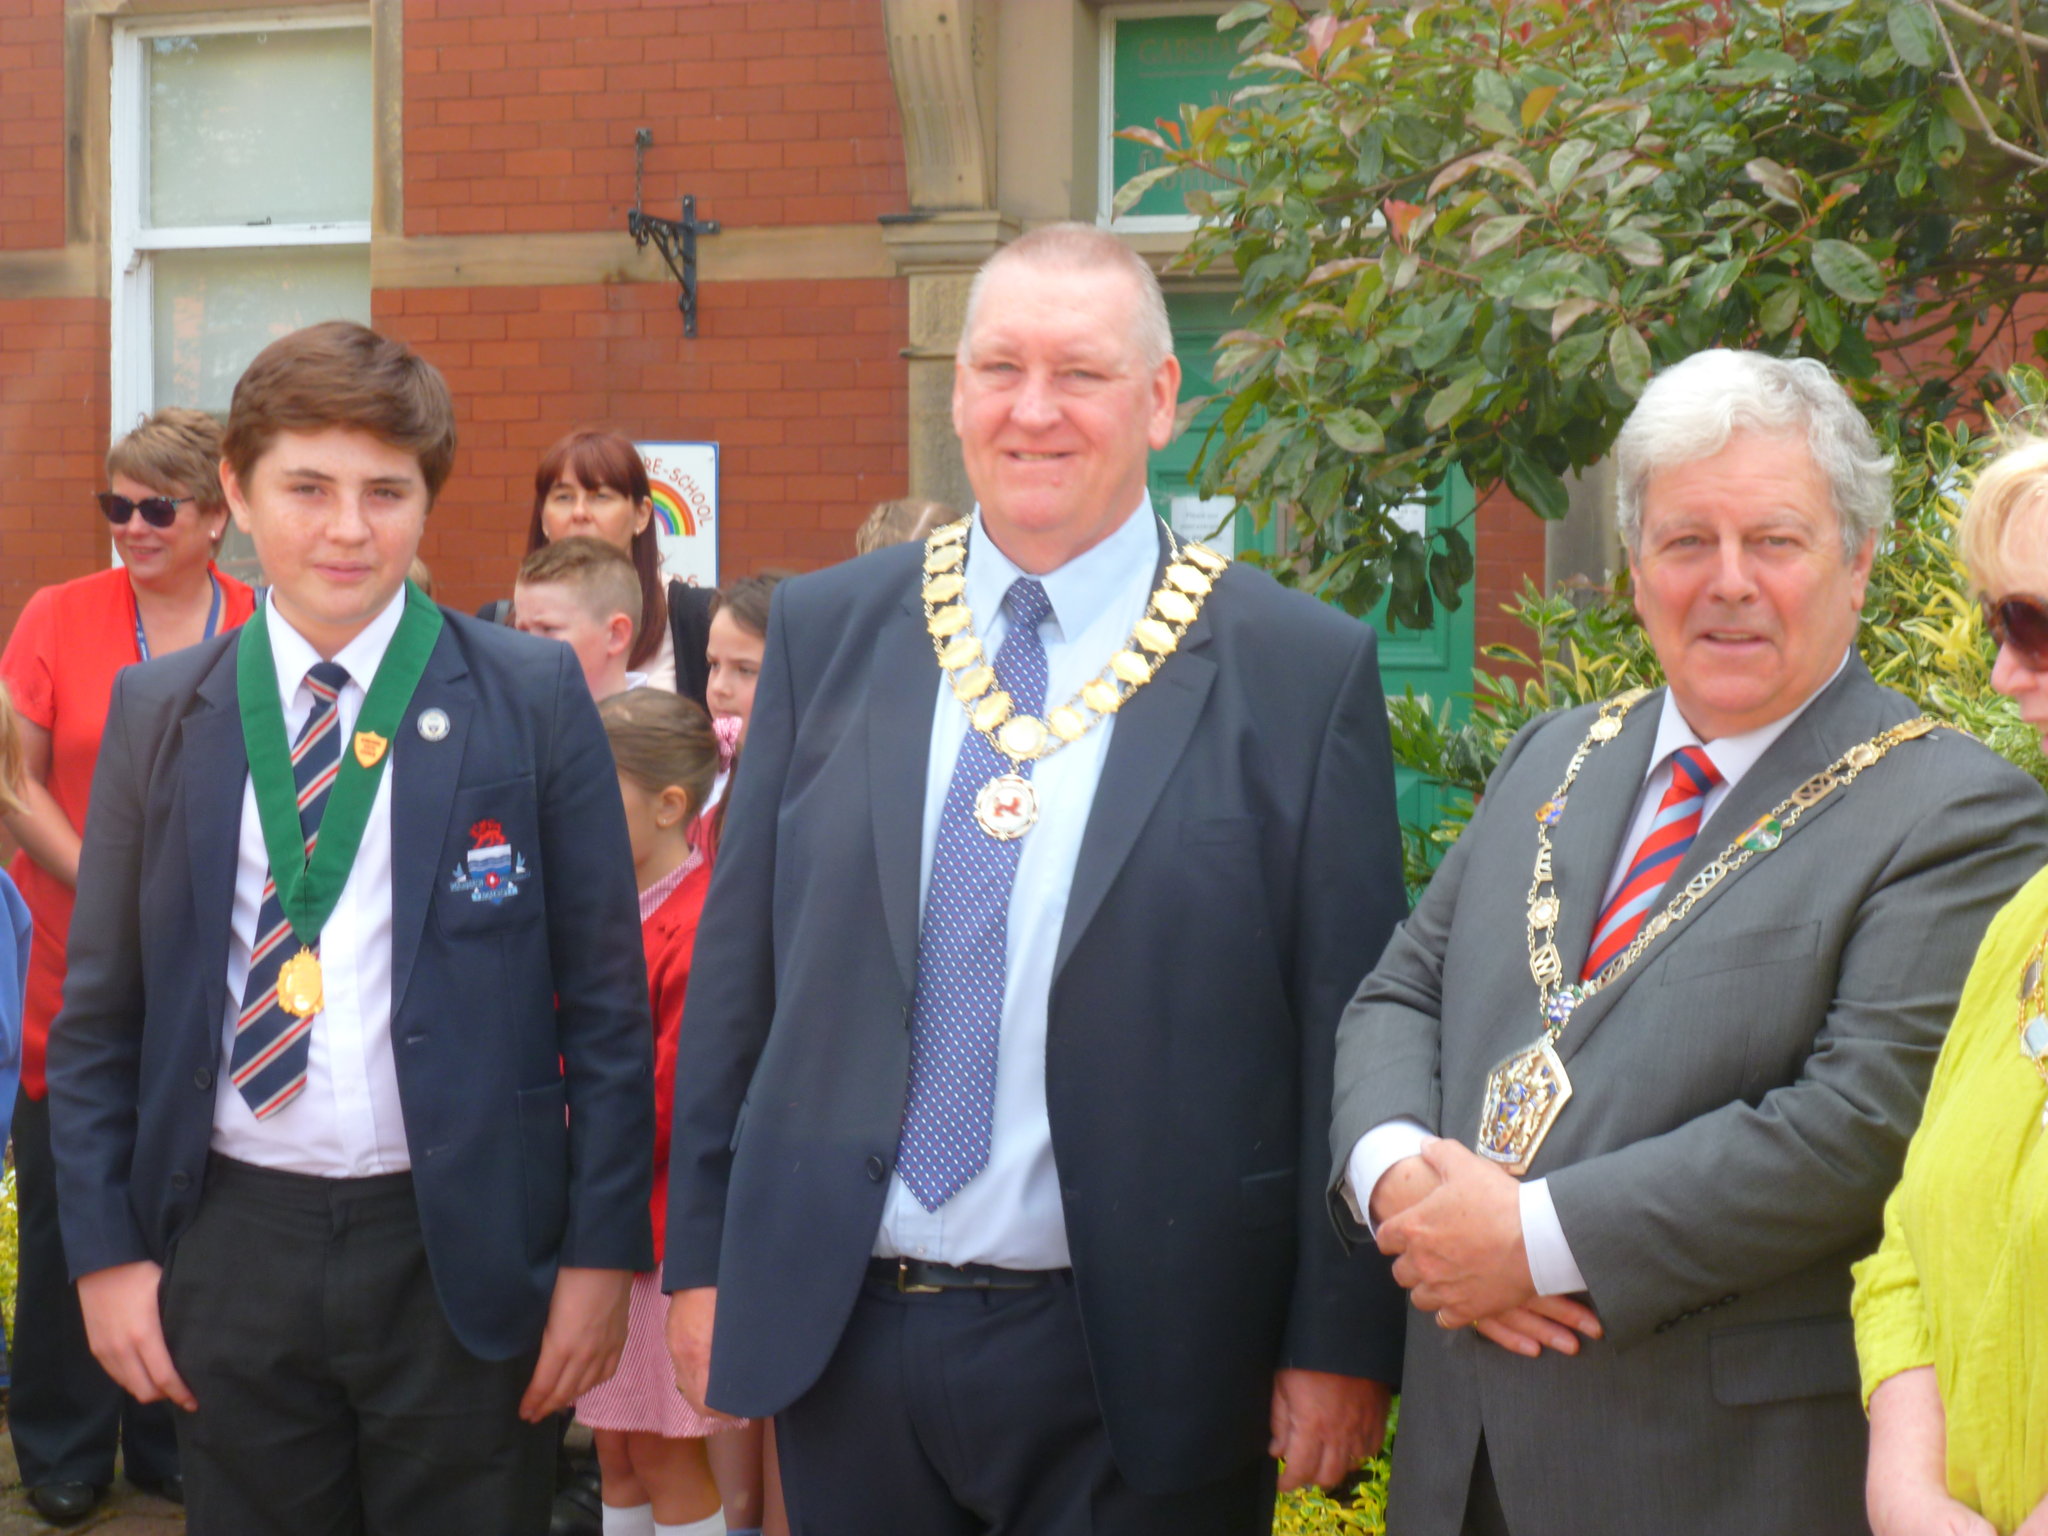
157, 511
2022, 623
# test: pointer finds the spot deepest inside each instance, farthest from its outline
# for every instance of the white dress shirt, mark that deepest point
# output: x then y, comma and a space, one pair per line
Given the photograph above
347, 1124
1010, 1214
1551, 1265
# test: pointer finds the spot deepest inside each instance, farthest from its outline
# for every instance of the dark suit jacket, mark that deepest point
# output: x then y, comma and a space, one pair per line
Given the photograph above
503, 1015
1742, 1100
1241, 863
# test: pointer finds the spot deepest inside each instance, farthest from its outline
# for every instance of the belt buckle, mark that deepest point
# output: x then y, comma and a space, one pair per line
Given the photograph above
903, 1281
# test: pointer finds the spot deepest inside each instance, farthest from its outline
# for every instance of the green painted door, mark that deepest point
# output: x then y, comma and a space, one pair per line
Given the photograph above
1436, 662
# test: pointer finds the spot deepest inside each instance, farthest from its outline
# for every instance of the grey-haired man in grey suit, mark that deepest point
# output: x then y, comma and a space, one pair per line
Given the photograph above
1626, 1093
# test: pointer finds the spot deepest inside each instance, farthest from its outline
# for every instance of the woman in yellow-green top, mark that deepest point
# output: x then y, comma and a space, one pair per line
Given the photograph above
1952, 1310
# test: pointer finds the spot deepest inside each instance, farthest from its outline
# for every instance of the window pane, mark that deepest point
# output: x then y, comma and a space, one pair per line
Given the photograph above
259, 127
215, 310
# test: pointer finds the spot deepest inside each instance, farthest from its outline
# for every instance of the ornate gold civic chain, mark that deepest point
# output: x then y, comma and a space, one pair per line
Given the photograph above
1527, 1090
1759, 838
1191, 571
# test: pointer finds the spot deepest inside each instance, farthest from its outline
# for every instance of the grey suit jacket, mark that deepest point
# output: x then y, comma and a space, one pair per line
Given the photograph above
1743, 1098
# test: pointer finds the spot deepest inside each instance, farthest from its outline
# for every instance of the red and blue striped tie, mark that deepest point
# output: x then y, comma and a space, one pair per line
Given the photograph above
1677, 823
272, 1048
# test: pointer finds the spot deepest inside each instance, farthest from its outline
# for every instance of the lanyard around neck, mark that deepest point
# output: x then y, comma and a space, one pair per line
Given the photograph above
212, 619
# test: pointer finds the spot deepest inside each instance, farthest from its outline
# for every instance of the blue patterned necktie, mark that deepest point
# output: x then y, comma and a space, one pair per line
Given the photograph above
957, 1018
272, 1047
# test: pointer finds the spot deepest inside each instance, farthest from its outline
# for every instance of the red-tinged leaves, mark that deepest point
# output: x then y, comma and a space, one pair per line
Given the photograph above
1400, 217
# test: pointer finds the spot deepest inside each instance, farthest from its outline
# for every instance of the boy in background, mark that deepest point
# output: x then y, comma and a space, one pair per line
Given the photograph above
585, 593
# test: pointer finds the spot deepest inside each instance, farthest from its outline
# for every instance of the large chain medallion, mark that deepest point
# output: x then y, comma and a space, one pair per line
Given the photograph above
1526, 1092
1007, 805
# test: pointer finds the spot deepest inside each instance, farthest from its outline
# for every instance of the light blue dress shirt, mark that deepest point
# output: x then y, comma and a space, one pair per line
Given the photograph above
1010, 1214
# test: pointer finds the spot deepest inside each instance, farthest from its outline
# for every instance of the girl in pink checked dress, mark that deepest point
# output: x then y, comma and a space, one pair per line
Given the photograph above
650, 1444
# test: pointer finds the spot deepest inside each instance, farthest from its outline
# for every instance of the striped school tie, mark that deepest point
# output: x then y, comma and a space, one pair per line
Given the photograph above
1677, 823
268, 1063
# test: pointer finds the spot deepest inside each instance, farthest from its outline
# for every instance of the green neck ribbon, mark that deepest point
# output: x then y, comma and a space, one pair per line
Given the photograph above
307, 889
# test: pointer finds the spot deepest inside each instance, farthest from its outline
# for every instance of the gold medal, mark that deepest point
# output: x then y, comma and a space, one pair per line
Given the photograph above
1524, 1096
299, 989
1007, 806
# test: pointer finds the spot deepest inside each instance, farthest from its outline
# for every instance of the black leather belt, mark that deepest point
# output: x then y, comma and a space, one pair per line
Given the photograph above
916, 1277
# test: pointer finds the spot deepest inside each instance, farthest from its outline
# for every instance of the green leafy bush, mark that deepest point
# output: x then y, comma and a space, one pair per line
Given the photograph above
1465, 232
1312, 1512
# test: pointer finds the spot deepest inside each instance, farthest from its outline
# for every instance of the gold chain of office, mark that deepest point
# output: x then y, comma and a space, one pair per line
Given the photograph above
1007, 806
1546, 965
1527, 1090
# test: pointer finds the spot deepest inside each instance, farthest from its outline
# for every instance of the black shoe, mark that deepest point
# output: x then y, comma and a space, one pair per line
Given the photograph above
576, 1512
66, 1503
171, 1488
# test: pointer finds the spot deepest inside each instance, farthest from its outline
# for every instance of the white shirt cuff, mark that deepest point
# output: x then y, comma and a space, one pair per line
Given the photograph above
1551, 1264
1378, 1150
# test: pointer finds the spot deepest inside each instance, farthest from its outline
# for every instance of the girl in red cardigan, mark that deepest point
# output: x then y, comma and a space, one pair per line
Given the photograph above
650, 1445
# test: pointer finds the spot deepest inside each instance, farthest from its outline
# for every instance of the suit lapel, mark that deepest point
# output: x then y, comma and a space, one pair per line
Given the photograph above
1151, 732
215, 767
425, 775
1830, 726
900, 703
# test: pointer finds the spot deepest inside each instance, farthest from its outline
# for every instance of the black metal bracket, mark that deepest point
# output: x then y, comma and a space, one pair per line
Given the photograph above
676, 239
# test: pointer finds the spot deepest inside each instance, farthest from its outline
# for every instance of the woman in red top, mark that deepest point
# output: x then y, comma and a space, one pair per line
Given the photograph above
167, 516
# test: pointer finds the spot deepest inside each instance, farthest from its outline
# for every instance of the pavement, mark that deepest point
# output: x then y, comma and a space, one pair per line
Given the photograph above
125, 1513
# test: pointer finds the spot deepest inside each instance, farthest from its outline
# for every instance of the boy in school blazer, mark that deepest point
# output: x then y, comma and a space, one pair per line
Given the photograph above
372, 1226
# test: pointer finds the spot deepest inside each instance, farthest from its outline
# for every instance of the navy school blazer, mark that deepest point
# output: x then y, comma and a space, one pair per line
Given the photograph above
520, 1025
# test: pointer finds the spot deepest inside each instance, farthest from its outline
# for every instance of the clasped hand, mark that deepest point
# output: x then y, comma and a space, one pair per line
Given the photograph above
1452, 1222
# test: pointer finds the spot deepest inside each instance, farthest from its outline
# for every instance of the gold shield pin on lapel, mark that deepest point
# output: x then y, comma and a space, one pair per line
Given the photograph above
370, 748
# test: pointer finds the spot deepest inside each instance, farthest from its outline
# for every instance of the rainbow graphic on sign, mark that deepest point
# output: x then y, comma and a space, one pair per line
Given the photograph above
683, 481
671, 511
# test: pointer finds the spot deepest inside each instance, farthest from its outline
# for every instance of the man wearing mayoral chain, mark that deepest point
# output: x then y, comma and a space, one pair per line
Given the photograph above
350, 1091
998, 1128
1671, 1003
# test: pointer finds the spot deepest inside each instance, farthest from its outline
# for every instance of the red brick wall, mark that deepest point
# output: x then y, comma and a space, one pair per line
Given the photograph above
1508, 549
769, 112
53, 444
31, 124
801, 384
